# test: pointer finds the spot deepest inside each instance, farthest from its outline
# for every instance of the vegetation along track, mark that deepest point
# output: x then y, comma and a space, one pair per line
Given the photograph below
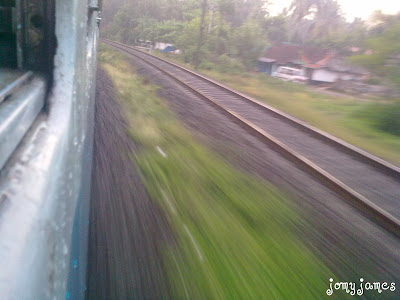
368, 182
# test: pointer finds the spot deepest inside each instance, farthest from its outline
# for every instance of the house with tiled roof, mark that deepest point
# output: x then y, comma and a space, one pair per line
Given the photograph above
321, 65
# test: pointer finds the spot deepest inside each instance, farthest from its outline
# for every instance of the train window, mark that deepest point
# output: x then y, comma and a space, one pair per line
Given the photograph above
27, 47
8, 42
27, 34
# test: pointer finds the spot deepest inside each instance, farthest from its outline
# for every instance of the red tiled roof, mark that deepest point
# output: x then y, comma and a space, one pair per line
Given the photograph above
312, 57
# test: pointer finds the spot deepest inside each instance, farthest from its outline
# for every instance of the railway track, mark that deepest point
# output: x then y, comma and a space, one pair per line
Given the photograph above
368, 182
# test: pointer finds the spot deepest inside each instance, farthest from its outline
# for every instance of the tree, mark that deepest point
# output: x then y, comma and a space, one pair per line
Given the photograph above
109, 9
276, 28
249, 41
200, 40
328, 17
313, 19
382, 46
237, 12
169, 30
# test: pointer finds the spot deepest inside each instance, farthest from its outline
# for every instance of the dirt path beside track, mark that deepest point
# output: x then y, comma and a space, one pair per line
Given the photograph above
126, 227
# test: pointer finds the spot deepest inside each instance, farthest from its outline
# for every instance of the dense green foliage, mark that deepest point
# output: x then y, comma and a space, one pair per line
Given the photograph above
233, 30
237, 31
383, 44
384, 117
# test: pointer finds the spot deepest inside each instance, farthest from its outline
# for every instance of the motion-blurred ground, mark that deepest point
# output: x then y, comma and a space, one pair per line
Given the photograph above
125, 227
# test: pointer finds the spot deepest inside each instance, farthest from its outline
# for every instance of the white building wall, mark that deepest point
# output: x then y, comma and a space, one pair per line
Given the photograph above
274, 67
324, 75
161, 46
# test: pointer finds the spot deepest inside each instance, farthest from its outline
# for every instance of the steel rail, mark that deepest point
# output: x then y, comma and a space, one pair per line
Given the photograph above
372, 160
376, 213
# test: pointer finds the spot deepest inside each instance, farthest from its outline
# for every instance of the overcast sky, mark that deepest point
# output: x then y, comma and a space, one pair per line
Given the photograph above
351, 8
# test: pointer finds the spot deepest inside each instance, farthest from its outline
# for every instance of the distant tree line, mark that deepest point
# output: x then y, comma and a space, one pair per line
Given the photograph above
233, 33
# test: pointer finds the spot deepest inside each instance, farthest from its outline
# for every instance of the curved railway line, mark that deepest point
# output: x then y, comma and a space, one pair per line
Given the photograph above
368, 182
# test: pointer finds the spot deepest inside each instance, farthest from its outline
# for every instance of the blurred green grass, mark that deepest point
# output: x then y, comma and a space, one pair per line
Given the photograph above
234, 233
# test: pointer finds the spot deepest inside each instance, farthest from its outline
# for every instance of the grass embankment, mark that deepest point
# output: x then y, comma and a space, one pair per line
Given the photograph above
234, 232
366, 125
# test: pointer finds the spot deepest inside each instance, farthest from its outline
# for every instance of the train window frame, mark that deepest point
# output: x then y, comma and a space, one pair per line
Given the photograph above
28, 32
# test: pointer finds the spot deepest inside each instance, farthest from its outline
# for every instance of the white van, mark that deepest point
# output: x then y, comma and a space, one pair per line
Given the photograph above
291, 74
